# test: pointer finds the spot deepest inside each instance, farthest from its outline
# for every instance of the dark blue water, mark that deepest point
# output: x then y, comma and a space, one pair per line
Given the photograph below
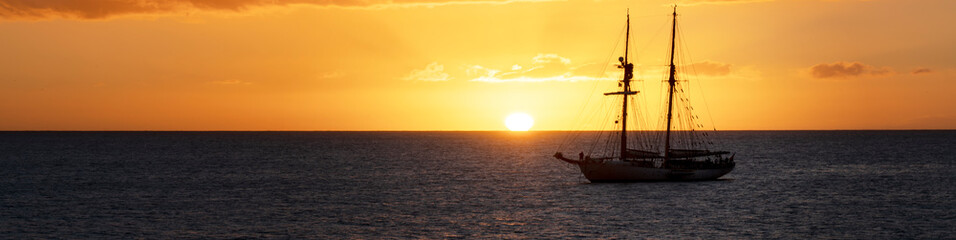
173, 185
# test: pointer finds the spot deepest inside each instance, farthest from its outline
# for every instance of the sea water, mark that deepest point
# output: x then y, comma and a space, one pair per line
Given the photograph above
372, 185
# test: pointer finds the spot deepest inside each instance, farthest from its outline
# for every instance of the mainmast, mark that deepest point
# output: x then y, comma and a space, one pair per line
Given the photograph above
627, 87
670, 92
626, 83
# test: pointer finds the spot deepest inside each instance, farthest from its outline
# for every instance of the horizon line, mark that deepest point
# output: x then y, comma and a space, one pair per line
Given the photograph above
509, 131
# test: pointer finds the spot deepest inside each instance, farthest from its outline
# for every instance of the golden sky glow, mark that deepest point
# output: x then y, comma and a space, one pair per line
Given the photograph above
464, 65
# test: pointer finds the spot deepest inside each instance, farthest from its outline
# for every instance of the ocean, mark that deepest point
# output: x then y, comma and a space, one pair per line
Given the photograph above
464, 185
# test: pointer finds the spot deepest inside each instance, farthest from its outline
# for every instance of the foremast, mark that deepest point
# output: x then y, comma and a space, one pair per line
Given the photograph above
671, 81
626, 84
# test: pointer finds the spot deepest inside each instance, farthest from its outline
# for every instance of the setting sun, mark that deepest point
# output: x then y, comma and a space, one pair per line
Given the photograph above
519, 122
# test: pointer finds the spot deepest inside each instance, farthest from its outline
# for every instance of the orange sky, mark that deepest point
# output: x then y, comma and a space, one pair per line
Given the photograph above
465, 64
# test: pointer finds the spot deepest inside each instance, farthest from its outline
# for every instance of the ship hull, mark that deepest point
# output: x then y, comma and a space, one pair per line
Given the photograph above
617, 171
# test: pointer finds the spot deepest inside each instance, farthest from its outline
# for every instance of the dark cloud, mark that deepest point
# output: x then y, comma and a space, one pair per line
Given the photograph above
98, 9
922, 71
95, 9
847, 70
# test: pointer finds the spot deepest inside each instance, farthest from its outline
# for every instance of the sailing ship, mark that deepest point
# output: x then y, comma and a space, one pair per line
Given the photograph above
647, 162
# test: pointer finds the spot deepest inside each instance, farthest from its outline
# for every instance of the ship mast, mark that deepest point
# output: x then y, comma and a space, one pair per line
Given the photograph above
627, 87
626, 84
670, 92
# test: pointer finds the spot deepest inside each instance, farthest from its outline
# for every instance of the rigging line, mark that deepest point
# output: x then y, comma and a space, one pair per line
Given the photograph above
661, 106
615, 140
641, 110
643, 105
639, 116
607, 113
634, 133
700, 91
703, 97
652, 15
603, 125
685, 115
639, 124
654, 37
603, 149
601, 131
641, 120
631, 120
571, 137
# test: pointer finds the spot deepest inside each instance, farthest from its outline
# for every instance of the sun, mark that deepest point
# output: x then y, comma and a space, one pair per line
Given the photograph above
519, 122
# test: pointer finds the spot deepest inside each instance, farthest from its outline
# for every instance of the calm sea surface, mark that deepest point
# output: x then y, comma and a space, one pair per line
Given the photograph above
332, 185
